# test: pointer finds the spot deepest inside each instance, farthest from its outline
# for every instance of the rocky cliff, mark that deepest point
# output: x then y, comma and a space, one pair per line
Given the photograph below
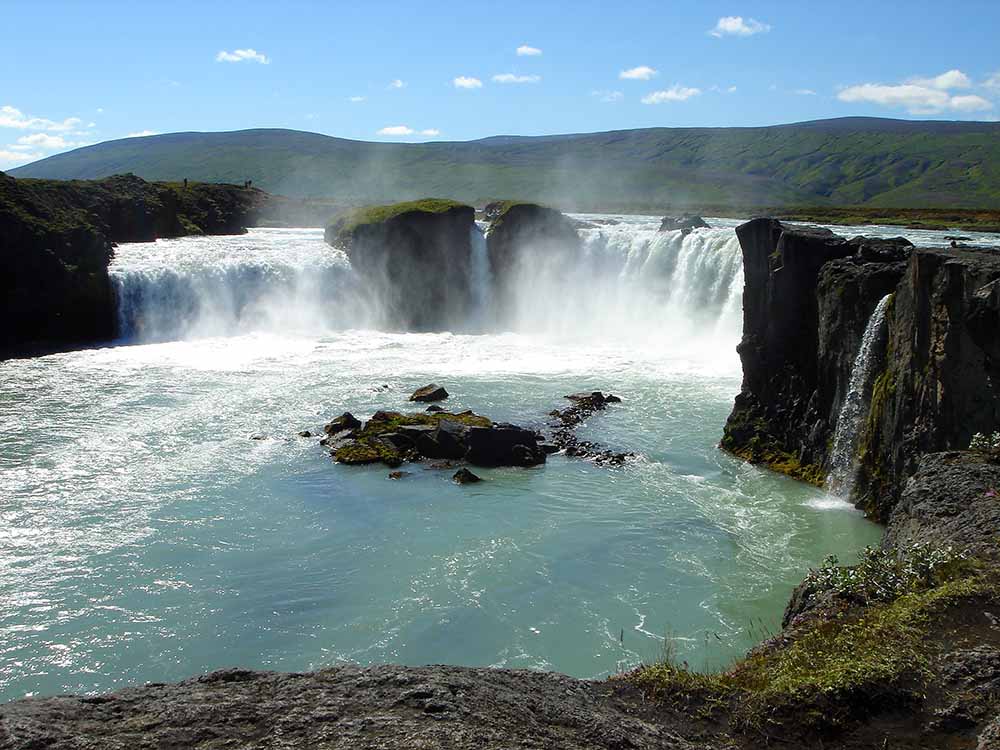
415, 259
808, 297
56, 241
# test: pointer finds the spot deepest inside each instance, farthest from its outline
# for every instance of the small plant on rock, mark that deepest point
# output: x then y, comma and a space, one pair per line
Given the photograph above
981, 442
884, 576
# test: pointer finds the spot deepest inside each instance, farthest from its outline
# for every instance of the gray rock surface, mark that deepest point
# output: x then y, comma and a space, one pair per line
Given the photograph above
343, 707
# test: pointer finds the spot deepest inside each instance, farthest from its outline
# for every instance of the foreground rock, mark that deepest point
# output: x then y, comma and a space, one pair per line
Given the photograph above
391, 438
429, 393
685, 224
56, 241
346, 707
414, 257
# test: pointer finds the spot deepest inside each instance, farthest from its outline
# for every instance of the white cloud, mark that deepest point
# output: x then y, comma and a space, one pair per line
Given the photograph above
608, 96
993, 82
356, 99
142, 134
731, 90
16, 158
804, 92
525, 51
397, 84
952, 79
919, 96
430, 132
673, 94
720, 90
100, 110
11, 117
241, 55
737, 26
641, 73
396, 130
467, 82
512, 78
44, 141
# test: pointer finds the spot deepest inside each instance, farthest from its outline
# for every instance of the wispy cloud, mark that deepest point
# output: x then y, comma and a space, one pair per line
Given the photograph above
738, 26
919, 96
397, 84
641, 73
10, 159
607, 96
11, 117
512, 78
43, 141
430, 132
673, 94
243, 55
721, 90
356, 99
804, 92
525, 51
467, 82
993, 82
142, 134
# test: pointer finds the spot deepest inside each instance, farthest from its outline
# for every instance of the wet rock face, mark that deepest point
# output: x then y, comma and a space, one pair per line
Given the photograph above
415, 264
429, 393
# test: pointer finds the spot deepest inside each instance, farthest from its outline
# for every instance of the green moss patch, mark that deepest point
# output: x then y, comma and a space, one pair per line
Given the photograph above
350, 221
834, 669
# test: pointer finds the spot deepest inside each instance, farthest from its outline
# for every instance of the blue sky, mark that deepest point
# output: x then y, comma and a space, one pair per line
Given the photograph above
75, 73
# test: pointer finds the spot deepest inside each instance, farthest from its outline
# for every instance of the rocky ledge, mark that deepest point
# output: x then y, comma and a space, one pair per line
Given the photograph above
57, 239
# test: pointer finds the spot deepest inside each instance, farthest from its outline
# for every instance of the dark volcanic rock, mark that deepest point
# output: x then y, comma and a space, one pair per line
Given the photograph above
464, 476
503, 445
807, 299
429, 393
685, 224
414, 258
345, 421
566, 420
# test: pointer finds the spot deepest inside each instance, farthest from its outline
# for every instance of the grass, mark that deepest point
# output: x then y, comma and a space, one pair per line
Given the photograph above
358, 217
837, 668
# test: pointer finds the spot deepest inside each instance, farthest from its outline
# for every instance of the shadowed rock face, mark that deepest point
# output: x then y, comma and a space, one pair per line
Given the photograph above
415, 263
808, 297
941, 381
56, 241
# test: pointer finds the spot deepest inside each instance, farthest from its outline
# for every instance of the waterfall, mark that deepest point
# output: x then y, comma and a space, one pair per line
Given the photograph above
627, 281
480, 278
278, 280
843, 458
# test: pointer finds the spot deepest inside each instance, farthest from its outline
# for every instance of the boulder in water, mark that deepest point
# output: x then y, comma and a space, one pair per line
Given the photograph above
345, 421
464, 476
503, 445
429, 393
686, 224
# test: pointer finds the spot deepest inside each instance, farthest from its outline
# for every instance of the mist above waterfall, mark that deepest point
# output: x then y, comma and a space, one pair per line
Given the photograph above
625, 281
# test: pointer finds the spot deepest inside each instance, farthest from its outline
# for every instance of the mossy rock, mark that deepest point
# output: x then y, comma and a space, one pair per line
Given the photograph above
368, 215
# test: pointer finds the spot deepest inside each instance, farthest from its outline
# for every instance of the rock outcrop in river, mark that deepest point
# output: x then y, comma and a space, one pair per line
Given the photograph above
57, 238
415, 259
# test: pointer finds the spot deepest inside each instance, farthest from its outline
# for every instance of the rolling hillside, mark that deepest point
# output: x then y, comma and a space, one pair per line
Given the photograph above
848, 161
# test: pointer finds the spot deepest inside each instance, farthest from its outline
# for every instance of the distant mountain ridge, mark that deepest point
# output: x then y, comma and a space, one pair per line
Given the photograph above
845, 161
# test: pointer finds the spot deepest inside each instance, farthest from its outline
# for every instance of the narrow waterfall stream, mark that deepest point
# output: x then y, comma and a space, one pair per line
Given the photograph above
843, 457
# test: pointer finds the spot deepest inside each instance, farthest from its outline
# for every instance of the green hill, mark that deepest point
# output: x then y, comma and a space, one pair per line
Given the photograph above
848, 161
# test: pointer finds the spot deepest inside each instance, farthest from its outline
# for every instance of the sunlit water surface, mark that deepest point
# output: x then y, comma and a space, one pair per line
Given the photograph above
145, 536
